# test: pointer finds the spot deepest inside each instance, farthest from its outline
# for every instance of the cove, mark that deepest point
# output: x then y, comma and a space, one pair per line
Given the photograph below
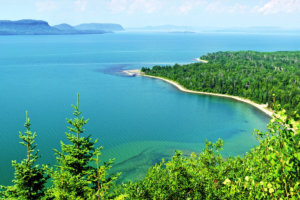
137, 120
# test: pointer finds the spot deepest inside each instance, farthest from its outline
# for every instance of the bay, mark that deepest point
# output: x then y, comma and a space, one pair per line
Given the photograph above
136, 119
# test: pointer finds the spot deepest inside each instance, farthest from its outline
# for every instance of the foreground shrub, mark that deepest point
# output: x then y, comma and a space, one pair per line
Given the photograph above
268, 171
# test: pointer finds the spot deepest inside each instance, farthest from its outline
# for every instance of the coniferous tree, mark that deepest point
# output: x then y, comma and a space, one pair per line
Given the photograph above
75, 177
30, 179
102, 184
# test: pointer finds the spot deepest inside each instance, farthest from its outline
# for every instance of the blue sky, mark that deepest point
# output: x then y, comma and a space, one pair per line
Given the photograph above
135, 13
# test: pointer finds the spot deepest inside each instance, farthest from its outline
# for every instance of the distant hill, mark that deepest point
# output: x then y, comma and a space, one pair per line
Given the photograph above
98, 26
39, 27
26, 27
259, 30
65, 27
211, 29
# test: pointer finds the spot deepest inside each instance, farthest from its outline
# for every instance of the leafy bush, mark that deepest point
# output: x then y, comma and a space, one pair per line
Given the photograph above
268, 171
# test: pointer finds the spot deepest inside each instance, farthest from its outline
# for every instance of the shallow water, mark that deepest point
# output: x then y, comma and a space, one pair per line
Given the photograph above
137, 120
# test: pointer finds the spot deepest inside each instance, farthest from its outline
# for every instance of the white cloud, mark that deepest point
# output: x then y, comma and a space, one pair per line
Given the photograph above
46, 5
279, 6
131, 6
214, 6
81, 4
237, 8
154, 6
219, 7
186, 8
118, 5
190, 5
144, 5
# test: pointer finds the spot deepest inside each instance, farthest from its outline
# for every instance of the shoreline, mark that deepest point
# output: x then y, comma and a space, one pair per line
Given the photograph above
261, 107
201, 61
132, 72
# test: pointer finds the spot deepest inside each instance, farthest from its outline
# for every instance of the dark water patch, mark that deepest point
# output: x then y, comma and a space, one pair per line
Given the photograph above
115, 70
133, 158
235, 132
136, 167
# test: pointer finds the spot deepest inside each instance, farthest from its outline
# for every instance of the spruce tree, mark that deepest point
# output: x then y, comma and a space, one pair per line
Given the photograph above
101, 185
29, 181
75, 177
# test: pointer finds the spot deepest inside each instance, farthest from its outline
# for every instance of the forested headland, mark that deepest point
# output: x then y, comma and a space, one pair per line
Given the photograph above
258, 76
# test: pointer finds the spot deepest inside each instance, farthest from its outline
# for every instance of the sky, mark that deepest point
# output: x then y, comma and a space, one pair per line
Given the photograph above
139, 13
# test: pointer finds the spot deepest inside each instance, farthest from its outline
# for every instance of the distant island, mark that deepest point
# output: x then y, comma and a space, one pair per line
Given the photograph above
163, 28
215, 30
182, 32
39, 27
98, 27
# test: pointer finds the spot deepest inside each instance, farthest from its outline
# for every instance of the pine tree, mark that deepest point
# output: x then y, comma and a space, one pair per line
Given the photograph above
30, 179
102, 184
75, 177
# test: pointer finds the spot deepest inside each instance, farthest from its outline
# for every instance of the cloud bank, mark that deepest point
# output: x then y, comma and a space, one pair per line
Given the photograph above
46, 5
279, 6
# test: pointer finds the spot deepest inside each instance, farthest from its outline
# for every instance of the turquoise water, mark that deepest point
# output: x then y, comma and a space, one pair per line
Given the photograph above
137, 120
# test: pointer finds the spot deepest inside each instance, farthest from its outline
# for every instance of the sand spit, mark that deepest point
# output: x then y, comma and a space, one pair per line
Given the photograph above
200, 60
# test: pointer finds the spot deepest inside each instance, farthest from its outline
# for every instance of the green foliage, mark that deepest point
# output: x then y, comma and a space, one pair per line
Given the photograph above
76, 177
30, 179
269, 171
253, 75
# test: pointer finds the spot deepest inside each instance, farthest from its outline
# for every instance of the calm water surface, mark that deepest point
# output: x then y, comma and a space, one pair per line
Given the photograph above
137, 120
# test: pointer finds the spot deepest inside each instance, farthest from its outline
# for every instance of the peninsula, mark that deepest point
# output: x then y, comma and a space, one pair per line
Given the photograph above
261, 79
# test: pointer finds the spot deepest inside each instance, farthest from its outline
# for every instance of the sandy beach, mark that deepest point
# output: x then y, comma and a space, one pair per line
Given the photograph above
261, 107
132, 72
200, 60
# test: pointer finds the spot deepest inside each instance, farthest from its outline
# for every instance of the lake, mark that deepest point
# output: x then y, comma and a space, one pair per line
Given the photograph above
137, 120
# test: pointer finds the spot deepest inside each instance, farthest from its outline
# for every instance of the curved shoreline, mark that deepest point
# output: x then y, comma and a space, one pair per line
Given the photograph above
261, 107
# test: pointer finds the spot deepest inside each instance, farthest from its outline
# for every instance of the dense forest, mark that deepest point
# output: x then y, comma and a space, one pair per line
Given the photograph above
258, 76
